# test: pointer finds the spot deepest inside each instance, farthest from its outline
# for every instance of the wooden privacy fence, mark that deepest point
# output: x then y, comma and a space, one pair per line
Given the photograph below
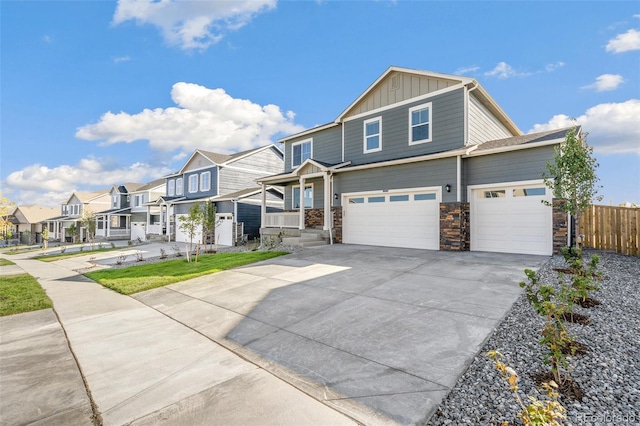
611, 228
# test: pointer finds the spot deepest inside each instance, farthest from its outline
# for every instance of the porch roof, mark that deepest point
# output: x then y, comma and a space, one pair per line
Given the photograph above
297, 172
119, 212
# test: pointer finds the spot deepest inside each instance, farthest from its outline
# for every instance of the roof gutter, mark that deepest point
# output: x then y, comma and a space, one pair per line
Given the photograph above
471, 153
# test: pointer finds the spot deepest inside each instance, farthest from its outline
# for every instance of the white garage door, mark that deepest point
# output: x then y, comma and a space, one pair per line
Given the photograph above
512, 219
224, 230
138, 230
392, 219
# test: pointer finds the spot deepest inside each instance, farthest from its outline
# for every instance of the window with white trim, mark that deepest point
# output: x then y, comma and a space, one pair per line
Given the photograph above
372, 129
179, 186
420, 124
115, 201
308, 197
193, 183
300, 151
171, 190
205, 181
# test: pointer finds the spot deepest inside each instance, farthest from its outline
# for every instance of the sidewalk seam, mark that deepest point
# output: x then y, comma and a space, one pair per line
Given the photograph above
96, 417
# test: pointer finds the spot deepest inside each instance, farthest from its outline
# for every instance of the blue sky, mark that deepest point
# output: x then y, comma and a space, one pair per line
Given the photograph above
99, 93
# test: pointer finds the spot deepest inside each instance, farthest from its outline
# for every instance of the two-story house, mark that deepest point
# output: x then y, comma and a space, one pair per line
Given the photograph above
72, 211
420, 160
145, 214
229, 181
114, 223
29, 221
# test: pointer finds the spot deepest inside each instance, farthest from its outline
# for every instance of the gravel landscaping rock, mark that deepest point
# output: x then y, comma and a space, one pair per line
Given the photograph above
609, 374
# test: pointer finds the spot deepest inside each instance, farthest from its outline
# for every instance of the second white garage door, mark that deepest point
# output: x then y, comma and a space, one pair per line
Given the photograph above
511, 219
408, 219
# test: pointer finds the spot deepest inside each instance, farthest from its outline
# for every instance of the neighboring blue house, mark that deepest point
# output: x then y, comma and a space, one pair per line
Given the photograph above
229, 181
420, 160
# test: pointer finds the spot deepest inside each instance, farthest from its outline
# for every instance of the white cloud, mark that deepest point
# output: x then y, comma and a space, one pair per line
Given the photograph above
39, 184
605, 82
554, 66
504, 71
613, 127
205, 118
119, 59
191, 24
466, 70
625, 42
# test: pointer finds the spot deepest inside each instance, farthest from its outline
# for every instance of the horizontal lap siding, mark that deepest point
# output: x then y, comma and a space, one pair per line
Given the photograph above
318, 194
214, 183
447, 127
267, 161
525, 164
483, 126
327, 146
415, 175
232, 180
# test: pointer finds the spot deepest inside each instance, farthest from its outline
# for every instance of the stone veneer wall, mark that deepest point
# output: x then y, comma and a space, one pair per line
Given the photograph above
314, 218
455, 227
560, 225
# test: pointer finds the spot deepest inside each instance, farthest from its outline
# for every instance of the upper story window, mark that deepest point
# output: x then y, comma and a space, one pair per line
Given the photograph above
179, 186
171, 189
300, 151
138, 200
115, 201
205, 181
308, 197
373, 135
193, 183
420, 124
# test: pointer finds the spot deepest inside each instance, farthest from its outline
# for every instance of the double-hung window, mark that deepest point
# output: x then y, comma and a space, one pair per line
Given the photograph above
300, 151
193, 183
373, 134
205, 181
308, 197
179, 186
420, 124
171, 190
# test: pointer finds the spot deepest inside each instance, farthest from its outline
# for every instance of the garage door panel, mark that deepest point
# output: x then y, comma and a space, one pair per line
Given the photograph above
406, 223
511, 223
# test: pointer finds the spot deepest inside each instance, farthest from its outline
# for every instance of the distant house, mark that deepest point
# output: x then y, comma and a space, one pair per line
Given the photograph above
71, 213
145, 214
228, 181
115, 222
28, 221
420, 160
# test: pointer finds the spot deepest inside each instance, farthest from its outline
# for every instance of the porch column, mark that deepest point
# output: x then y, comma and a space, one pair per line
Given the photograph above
263, 208
327, 202
108, 227
301, 204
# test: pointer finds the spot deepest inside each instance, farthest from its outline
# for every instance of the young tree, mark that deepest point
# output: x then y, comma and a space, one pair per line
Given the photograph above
45, 236
190, 225
209, 222
73, 232
6, 208
88, 221
572, 175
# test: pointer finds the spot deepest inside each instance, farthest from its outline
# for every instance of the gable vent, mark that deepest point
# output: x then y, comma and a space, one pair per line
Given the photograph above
395, 82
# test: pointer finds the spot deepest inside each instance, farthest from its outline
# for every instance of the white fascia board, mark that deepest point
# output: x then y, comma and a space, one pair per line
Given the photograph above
405, 102
477, 153
309, 131
197, 151
502, 115
251, 153
419, 159
463, 80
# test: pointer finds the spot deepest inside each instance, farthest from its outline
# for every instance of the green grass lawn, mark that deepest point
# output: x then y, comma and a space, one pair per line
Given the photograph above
86, 251
21, 293
145, 277
5, 262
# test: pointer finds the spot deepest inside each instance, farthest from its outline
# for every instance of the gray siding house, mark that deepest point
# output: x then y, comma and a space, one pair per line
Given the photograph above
420, 160
228, 181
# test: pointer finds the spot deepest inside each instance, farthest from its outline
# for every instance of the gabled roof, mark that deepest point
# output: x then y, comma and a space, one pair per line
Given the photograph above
151, 185
223, 159
549, 137
87, 197
36, 214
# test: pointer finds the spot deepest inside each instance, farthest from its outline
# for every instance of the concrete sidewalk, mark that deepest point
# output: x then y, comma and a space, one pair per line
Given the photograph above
143, 367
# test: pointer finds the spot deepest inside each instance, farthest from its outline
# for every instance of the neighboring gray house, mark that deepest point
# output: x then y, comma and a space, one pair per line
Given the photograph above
72, 212
115, 222
229, 181
145, 214
420, 160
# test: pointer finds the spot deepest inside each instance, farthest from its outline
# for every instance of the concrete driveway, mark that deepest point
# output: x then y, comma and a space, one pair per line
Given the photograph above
379, 334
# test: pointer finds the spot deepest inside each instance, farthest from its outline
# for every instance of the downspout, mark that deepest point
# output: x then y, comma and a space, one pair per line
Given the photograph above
466, 112
459, 172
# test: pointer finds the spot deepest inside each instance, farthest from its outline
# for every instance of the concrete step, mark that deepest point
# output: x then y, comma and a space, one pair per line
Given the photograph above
313, 243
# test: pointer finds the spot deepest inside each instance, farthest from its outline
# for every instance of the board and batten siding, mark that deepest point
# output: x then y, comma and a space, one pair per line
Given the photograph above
483, 126
405, 176
326, 146
447, 126
398, 87
513, 166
